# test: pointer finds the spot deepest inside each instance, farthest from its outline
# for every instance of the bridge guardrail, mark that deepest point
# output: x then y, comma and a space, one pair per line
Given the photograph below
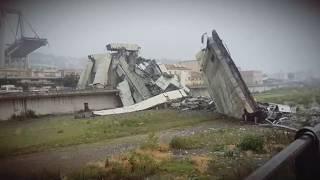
304, 151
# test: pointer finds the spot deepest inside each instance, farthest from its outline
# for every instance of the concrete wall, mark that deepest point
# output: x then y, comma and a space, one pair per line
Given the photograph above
43, 105
199, 91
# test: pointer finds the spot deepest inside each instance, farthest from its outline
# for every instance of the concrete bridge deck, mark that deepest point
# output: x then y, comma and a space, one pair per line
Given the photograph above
20, 95
57, 102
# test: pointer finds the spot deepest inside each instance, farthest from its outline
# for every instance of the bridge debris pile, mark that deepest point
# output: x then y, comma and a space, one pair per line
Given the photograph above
194, 103
137, 78
284, 116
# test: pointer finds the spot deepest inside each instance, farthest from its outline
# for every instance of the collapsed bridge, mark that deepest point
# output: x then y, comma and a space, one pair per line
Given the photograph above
15, 55
225, 84
141, 82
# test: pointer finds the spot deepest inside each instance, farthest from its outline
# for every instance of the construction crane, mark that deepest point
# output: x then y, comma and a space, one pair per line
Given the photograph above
15, 55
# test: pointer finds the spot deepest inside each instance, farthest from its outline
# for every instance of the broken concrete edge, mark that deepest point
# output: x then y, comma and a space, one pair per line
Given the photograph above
125, 93
146, 104
225, 84
122, 46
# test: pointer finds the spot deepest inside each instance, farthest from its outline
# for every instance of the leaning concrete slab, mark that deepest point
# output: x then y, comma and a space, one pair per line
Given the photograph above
85, 76
225, 84
125, 93
102, 64
146, 104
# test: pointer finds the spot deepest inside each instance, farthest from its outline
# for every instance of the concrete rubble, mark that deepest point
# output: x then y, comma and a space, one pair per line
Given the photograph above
292, 118
138, 79
193, 103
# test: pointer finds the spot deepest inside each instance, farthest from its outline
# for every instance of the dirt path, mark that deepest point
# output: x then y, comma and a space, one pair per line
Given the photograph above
74, 157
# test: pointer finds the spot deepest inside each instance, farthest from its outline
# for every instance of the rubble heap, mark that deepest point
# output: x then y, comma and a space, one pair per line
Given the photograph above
194, 103
135, 77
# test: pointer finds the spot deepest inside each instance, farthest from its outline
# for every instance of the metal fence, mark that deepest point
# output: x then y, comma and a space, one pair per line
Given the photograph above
305, 153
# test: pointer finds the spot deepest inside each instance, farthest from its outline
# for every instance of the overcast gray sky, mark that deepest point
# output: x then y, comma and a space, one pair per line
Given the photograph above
265, 35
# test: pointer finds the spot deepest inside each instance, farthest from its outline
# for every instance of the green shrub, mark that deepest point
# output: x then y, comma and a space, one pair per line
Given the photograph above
229, 153
252, 142
239, 168
60, 131
152, 142
142, 165
218, 147
184, 143
89, 172
279, 137
182, 167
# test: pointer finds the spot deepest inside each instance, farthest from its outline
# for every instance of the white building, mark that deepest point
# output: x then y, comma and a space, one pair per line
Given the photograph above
252, 78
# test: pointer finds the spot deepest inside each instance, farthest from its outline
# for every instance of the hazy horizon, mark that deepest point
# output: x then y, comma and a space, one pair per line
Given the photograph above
271, 36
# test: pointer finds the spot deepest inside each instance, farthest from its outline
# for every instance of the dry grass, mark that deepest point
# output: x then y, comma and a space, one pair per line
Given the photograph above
201, 163
156, 161
156, 154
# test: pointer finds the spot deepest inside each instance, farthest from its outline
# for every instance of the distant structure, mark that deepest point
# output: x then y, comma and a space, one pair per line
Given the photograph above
15, 55
279, 76
188, 73
193, 65
179, 71
195, 77
252, 78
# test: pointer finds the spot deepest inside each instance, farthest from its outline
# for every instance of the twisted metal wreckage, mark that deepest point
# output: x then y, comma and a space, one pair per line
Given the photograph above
143, 83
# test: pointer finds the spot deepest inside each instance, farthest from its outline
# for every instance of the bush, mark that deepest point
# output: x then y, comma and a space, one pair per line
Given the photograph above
60, 131
132, 167
184, 143
181, 167
152, 142
236, 168
252, 142
89, 172
142, 165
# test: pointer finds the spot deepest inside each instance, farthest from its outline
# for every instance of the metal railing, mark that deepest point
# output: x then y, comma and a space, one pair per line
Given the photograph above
305, 153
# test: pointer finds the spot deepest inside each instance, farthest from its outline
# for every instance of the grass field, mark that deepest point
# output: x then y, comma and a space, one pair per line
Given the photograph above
223, 148
222, 153
33, 135
290, 96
